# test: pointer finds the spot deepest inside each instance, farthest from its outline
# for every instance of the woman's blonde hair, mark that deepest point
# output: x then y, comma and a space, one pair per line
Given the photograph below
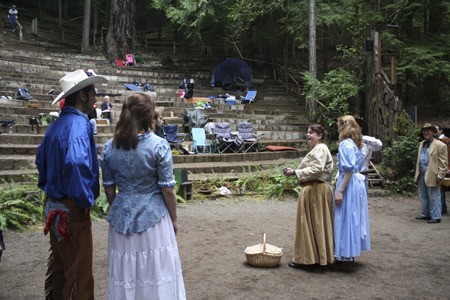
350, 129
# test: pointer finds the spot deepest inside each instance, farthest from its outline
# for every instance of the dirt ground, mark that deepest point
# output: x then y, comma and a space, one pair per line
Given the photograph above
410, 259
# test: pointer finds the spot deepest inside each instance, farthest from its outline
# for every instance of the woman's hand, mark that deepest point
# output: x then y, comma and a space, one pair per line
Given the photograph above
288, 172
338, 198
175, 227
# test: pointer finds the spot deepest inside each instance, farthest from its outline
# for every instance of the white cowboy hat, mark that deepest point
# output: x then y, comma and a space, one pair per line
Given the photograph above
75, 81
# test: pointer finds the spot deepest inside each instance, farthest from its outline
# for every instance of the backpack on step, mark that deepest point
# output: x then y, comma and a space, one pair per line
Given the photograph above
23, 94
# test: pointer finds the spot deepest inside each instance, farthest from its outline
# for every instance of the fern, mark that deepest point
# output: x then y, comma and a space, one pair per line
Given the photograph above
20, 205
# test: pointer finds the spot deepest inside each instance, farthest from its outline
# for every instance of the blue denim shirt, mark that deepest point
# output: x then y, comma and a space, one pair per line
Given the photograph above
423, 162
139, 174
67, 159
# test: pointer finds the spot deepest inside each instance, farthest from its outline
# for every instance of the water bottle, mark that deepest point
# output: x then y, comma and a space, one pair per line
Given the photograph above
10, 131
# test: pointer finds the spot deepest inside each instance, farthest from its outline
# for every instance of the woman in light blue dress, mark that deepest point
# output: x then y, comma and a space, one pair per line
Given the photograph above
143, 257
351, 216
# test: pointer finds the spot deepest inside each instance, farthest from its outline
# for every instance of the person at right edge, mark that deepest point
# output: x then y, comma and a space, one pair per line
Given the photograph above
446, 140
431, 168
351, 214
313, 243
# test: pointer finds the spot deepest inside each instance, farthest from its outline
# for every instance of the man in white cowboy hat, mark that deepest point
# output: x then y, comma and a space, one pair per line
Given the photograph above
12, 17
69, 175
431, 168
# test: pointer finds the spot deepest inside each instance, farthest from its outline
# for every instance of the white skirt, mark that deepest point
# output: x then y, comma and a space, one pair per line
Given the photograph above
145, 265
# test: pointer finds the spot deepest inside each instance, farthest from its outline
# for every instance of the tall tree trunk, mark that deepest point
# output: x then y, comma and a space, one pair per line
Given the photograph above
436, 9
95, 29
121, 28
60, 10
107, 13
431, 85
86, 26
311, 103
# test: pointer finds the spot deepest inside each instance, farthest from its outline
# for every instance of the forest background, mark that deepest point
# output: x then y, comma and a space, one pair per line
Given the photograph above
275, 35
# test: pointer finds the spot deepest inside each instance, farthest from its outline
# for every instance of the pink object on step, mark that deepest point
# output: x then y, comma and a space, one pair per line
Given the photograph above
129, 60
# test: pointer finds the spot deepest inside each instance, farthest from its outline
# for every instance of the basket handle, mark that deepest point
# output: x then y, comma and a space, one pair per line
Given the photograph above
264, 243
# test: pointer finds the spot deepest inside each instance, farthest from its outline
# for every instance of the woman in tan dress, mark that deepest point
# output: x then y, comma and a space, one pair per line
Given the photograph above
314, 228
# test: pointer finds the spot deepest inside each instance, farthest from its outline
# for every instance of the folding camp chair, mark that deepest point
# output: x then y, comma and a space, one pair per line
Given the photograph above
201, 144
226, 142
247, 140
249, 98
172, 135
195, 118
129, 60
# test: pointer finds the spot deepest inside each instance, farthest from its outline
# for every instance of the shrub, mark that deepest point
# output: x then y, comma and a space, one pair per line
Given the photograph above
399, 162
333, 94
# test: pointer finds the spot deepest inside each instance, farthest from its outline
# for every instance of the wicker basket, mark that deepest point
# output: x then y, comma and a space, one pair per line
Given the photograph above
263, 255
445, 184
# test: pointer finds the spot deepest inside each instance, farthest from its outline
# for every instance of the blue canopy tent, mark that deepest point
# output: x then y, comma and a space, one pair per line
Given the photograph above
232, 73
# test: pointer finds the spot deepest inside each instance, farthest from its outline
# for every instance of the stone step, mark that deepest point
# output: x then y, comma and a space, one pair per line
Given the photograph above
21, 164
259, 125
38, 83
21, 114
11, 144
209, 171
271, 129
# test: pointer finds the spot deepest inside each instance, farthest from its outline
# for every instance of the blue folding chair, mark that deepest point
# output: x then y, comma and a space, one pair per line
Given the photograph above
201, 144
249, 98
172, 135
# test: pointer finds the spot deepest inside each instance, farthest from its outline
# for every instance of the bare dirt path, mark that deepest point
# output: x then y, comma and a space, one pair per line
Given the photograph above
410, 259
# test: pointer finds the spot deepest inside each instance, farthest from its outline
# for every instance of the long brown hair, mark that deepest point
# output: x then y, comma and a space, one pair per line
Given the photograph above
350, 129
136, 116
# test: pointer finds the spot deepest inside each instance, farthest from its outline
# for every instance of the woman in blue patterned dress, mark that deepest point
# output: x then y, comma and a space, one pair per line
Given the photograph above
143, 257
351, 216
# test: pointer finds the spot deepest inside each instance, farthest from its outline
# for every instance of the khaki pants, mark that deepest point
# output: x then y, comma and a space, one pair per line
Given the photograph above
69, 273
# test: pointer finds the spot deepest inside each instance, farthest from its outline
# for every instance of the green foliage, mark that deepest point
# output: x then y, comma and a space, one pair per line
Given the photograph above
278, 185
399, 160
193, 17
243, 14
272, 183
333, 94
268, 182
138, 57
402, 125
101, 207
422, 61
251, 181
331, 15
20, 206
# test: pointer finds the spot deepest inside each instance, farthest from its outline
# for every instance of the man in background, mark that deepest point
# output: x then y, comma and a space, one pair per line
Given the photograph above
431, 168
107, 109
12, 17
